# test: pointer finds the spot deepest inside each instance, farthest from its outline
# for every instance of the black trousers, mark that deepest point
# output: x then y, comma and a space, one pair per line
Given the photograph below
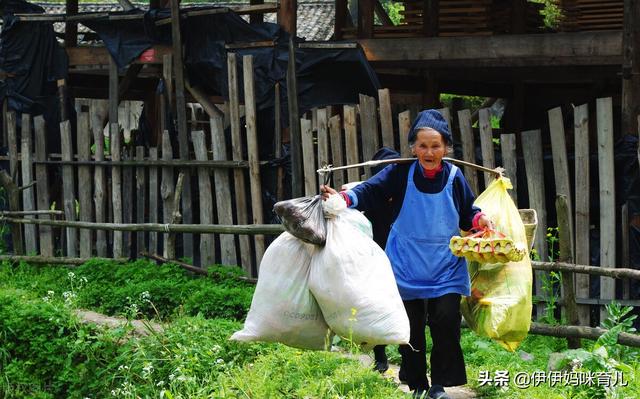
442, 314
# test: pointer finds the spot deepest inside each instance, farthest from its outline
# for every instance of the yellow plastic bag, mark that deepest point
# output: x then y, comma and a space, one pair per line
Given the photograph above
500, 303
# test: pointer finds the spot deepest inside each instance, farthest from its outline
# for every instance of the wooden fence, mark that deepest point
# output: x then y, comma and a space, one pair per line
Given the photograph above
129, 187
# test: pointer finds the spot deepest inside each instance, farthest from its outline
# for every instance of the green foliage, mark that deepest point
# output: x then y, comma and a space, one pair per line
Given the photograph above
393, 10
468, 102
551, 12
553, 243
549, 283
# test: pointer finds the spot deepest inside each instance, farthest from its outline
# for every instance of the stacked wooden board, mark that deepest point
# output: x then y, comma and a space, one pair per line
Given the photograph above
473, 17
589, 15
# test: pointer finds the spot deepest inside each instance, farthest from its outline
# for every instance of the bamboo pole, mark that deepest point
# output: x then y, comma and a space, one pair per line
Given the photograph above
245, 229
54, 260
191, 268
581, 332
615, 272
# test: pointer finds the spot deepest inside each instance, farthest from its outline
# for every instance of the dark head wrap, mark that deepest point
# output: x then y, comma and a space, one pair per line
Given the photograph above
431, 118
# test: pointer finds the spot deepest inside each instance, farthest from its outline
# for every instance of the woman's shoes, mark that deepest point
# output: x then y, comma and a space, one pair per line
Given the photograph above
381, 366
437, 392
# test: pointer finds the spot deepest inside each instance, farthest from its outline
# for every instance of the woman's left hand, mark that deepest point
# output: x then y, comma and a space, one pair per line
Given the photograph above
485, 221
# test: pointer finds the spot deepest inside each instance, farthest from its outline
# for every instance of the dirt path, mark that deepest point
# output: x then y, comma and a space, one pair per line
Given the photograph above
392, 373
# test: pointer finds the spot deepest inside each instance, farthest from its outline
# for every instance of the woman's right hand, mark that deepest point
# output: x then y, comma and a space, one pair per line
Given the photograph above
326, 191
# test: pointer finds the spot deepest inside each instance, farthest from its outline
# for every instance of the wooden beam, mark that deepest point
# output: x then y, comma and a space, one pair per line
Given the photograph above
100, 55
430, 16
256, 18
583, 48
381, 13
71, 28
631, 67
287, 16
342, 14
519, 17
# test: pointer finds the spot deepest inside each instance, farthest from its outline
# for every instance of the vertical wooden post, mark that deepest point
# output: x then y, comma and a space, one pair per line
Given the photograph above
404, 125
430, 17
141, 183
100, 193
256, 18
323, 138
5, 110
240, 196
519, 17
14, 205
42, 186
127, 199
560, 161
631, 67
607, 197
369, 129
351, 142
84, 183
71, 28
342, 13
486, 143
167, 191
626, 262
287, 18
468, 149
277, 143
154, 203
28, 198
116, 172
223, 193
68, 186
181, 106
508, 148
386, 118
337, 157
12, 143
294, 124
582, 257
566, 255
533, 165
310, 182
365, 19
207, 244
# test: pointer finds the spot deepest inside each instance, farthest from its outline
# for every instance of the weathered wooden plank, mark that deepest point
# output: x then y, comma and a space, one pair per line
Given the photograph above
240, 195
100, 193
323, 138
468, 149
253, 152
42, 186
369, 129
583, 48
116, 172
533, 165
560, 162
582, 187
351, 142
404, 125
297, 182
508, 149
626, 262
207, 244
154, 203
127, 200
223, 192
141, 188
68, 187
386, 118
167, 187
606, 181
85, 188
337, 157
310, 181
12, 143
486, 143
28, 198
183, 140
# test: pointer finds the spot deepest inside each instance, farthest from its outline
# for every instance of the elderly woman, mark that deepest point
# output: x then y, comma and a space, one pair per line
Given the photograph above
432, 201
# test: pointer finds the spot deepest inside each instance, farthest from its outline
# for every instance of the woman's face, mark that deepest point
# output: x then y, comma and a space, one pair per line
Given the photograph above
429, 148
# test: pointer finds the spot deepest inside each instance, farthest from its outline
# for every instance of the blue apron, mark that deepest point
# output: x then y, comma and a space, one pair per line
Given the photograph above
418, 244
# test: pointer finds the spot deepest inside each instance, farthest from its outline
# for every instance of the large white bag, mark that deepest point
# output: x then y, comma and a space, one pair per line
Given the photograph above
283, 309
352, 280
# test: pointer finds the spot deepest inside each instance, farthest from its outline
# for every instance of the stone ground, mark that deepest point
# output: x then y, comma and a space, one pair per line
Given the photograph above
142, 329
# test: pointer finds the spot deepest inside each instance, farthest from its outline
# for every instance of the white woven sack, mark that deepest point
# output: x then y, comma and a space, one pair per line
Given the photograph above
283, 309
352, 280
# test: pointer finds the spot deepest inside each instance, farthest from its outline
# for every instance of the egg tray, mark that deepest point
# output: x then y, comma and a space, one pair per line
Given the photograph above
487, 246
